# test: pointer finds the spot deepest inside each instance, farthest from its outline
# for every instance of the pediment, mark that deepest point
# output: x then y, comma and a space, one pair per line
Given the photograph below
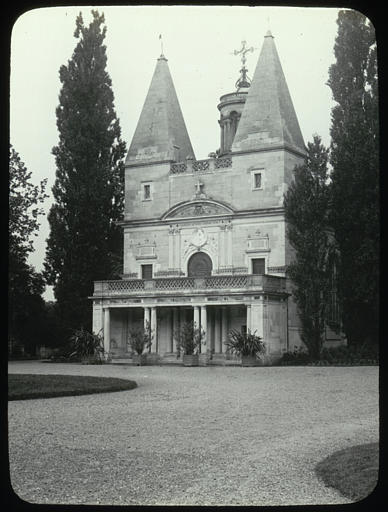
198, 208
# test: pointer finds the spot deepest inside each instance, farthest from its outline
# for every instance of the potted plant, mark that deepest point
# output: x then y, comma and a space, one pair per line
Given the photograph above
87, 347
139, 340
247, 345
188, 338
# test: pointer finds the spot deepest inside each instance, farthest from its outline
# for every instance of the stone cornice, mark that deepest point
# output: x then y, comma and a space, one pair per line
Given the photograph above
277, 147
262, 212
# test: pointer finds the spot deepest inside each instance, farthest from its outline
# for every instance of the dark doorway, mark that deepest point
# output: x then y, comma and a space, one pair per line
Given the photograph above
258, 266
200, 265
146, 271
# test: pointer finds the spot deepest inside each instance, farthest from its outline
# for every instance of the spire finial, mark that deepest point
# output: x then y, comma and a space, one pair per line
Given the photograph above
161, 45
244, 80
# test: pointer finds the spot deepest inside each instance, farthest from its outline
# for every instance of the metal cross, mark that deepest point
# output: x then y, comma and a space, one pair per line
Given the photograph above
243, 51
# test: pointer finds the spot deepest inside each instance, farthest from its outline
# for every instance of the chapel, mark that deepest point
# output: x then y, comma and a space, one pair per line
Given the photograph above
205, 240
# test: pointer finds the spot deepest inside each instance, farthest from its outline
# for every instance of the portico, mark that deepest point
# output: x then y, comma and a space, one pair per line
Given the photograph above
216, 313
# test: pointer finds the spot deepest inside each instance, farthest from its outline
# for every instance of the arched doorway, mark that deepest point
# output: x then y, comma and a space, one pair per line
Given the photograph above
199, 265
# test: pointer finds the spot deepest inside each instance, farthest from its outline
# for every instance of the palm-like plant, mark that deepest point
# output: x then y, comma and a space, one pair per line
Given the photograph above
188, 338
86, 344
245, 343
139, 339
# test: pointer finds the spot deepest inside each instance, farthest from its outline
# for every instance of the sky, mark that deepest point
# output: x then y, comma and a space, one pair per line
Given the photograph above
198, 43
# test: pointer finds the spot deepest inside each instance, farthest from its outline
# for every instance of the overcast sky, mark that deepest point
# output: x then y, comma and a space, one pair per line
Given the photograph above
198, 43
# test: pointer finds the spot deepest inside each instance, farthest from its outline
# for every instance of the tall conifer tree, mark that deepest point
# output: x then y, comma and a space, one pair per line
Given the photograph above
306, 206
355, 176
85, 244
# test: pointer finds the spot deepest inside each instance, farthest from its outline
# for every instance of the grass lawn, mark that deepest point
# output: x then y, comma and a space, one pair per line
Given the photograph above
353, 471
25, 386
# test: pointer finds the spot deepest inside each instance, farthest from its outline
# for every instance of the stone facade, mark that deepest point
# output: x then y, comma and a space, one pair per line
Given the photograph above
205, 240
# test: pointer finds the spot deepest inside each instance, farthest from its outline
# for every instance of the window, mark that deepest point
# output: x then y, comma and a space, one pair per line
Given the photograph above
258, 266
146, 192
146, 271
257, 179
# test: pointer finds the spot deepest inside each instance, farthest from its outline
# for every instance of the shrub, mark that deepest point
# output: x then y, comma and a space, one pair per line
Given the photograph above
87, 345
188, 338
298, 356
245, 343
342, 355
139, 339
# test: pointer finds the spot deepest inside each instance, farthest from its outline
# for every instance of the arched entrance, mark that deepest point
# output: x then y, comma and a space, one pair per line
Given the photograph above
199, 265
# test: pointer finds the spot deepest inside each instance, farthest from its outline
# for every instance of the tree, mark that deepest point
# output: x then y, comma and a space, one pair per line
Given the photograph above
25, 285
306, 206
85, 244
355, 175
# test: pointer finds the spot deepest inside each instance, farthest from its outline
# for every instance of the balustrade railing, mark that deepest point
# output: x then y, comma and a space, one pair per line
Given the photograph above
194, 166
190, 284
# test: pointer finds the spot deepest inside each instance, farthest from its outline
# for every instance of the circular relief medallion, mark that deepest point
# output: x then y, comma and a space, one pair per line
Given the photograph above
199, 238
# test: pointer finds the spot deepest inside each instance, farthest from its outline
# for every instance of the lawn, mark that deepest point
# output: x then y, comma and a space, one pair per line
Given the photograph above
353, 471
27, 386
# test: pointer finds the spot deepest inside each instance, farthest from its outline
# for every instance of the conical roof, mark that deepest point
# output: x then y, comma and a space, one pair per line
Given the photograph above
268, 118
161, 133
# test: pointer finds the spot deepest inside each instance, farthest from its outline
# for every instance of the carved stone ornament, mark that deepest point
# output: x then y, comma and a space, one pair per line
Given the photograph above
198, 209
199, 238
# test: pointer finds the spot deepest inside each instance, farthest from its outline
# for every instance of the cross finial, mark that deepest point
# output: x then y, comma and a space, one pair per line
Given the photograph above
244, 50
244, 80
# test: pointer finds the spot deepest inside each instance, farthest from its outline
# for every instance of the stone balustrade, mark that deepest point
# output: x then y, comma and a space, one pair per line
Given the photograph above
170, 285
200, 166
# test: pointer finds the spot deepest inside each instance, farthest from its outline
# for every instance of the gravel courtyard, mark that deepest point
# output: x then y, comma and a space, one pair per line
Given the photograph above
190, 436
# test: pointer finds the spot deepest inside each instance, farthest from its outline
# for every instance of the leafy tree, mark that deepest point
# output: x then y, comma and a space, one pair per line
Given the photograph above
355, 176
306, 206
25, 285
85, 244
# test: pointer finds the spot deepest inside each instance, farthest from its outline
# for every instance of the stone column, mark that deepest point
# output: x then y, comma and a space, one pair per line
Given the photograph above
222, 247
129, 327
171, 248
196, 317
249, 317
229, 245
169, 331
222, 125
147, 322
224, 323
177, 263
227, 142
175, 323
204, 328
204, 355
154, 329
106, 331
217, 331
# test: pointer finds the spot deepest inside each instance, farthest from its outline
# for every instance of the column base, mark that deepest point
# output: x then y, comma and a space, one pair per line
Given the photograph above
204, 359
153, 358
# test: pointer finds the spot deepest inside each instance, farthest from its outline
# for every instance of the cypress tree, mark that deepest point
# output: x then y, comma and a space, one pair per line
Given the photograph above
306, 206
85, 244
355, 175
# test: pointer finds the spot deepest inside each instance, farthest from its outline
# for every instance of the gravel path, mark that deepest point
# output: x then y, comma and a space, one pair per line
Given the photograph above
191, 436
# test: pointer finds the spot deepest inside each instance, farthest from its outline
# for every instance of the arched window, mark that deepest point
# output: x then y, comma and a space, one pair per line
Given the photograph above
199, 265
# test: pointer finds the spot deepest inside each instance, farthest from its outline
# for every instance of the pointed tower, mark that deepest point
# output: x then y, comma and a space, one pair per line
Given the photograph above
268, 119
161, 133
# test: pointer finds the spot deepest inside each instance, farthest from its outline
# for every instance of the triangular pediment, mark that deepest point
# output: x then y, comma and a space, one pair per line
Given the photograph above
198, 208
